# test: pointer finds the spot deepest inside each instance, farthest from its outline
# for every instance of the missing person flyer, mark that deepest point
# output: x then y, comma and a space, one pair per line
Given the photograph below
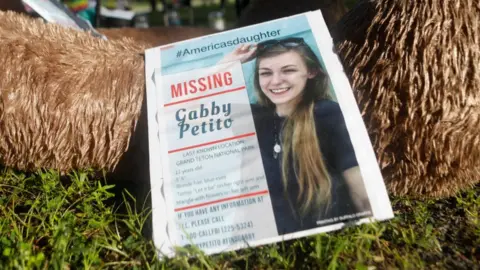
255, 137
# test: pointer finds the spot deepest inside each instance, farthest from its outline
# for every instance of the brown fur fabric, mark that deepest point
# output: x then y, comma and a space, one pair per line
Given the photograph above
415, 69
156, 36
67, 99
265, 10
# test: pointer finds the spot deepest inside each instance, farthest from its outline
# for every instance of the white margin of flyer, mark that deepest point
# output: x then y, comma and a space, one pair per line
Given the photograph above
374, 183
168, 195
159, 208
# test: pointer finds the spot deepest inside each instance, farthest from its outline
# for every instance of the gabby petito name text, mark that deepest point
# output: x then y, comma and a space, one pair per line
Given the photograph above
198, 118
224, 44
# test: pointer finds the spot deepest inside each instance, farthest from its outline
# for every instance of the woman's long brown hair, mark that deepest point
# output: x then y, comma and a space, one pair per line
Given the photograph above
300, 143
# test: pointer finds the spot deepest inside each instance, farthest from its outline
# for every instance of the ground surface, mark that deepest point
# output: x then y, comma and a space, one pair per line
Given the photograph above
78, 221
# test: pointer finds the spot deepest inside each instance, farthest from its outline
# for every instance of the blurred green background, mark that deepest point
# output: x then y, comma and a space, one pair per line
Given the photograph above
197, 15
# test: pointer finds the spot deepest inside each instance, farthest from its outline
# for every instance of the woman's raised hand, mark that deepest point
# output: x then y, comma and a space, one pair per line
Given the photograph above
242, 53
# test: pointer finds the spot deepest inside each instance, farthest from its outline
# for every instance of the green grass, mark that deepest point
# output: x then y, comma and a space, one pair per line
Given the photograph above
79, 221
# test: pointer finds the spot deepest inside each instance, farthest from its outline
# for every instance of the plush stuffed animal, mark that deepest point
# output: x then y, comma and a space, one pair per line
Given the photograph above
414, 67
68, 100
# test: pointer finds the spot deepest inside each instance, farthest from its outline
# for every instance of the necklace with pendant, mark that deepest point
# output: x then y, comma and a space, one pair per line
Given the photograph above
277, 148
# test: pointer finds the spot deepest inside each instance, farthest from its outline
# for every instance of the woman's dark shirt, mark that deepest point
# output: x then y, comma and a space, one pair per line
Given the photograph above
338, 156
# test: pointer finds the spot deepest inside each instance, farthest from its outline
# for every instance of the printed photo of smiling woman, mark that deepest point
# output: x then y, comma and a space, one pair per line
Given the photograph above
310, 164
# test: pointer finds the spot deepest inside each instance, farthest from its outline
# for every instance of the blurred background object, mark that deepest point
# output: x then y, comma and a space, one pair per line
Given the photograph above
259, 11
216, 20
82, 8
216, 14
